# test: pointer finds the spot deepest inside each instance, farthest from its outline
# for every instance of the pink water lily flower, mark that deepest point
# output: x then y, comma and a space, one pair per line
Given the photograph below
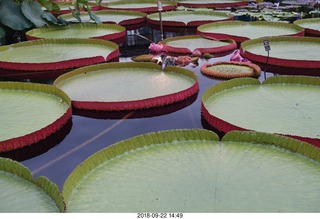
236, 57
157, 48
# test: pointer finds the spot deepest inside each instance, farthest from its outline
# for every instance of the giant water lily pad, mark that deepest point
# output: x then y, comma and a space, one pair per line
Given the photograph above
46, 55
192, 171
285, 105
241, 31
211, 3
187, 18
311, 26
127, 86
145, 6
30, 113
66, 7
112, 32
126, 18
20, 193
288, 55
189, 44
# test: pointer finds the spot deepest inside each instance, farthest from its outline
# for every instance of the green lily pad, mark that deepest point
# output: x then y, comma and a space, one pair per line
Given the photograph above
241, 31
53, 51
21, 194
192, 171
145, 6
311, 26
211, 3
188, 44
187, 18
110, 32
120, 17
127, 86
288, 55
54, 54
285, 105
32, 112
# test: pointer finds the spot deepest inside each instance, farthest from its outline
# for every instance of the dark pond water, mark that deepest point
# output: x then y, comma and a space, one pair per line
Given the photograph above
87, 134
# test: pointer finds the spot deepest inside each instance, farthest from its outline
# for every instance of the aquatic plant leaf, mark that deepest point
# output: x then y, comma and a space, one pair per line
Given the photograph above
46, 106
241, 31
211, 4
311, 26
110, 32
244, 172
21, 194
52, 190
187, 18
33, 11
232, 69
197, 43
288, 55
49, 17
133, 85
121, 17
37, 55
12, 16
146, 6
47, 4
93, 16
288, 106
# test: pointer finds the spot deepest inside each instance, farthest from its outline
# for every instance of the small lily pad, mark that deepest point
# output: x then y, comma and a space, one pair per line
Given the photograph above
231, 69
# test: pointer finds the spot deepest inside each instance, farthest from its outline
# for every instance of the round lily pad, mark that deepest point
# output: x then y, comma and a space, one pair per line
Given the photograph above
227, 70
20, 193
187, 18
112, 32
241, 31
310, 25
128, 19
288, 55
285, 105
31, 113
127, 86
192, 171
45, 57
145, 6
211, 3
189, 44
68, 6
